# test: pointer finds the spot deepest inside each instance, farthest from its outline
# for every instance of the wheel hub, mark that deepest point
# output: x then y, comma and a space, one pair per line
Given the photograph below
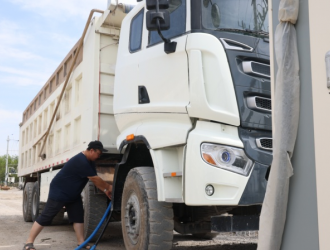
132, 218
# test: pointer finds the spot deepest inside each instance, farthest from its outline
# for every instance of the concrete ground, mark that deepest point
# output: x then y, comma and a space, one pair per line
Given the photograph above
14, 231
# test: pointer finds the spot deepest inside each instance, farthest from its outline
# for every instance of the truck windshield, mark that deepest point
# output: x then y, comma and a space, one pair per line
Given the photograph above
236, 15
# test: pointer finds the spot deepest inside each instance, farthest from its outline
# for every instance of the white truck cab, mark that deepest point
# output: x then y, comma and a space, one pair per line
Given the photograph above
203, 112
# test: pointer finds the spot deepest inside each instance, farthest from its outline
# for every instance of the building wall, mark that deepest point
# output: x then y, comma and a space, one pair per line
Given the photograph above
319, 19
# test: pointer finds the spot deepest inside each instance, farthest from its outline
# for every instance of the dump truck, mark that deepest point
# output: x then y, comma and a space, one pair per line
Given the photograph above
178, 92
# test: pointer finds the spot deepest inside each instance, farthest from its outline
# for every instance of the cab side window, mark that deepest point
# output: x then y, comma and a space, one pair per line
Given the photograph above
177, 11
135, 38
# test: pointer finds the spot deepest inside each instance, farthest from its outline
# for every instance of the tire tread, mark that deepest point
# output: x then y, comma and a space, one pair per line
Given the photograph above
160, 219
95, 206
28, 191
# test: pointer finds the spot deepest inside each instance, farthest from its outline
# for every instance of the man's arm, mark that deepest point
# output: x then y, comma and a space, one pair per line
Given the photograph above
102, 185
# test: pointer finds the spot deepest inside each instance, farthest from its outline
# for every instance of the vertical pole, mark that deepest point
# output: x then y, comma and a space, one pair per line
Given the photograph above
6, 175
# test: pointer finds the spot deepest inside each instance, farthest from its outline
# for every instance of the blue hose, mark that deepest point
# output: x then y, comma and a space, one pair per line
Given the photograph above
95, 231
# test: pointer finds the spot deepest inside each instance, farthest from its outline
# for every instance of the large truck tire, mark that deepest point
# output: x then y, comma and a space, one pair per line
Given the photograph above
35, 201
146, 222
95, 206
27, 202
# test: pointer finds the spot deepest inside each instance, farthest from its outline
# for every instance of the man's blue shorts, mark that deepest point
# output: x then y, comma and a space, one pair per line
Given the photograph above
74, 209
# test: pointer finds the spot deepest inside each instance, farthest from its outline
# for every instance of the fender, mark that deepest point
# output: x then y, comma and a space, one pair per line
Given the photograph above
136, 154
165, 161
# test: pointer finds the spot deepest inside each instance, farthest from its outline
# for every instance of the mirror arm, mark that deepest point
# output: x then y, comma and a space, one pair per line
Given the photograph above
169, 47
160, 32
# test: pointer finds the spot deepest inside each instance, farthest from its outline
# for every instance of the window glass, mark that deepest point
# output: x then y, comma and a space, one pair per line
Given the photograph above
177, 11
136, 32
235, 14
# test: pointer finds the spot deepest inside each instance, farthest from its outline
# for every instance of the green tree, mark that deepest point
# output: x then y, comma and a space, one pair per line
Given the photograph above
12, 163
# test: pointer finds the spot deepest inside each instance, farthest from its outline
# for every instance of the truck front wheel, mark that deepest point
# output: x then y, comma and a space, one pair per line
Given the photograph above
146, 222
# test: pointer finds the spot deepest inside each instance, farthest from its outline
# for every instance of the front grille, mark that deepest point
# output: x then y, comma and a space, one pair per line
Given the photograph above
265, 143
259, 103
263, 103
256, 68
235, 45
263, 69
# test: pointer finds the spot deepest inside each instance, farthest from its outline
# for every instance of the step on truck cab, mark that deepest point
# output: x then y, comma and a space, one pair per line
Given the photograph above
187, 121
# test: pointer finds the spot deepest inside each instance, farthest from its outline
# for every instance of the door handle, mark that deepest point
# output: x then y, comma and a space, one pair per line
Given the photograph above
143, 95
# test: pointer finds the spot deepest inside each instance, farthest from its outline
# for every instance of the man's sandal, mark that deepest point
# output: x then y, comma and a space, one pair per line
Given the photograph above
29, 246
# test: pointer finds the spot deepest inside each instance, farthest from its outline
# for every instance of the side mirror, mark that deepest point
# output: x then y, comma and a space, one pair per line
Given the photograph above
162, 15
157, 12
158, 18
152, 4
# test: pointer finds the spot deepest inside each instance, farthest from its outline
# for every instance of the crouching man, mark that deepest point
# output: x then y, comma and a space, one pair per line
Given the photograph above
65, 190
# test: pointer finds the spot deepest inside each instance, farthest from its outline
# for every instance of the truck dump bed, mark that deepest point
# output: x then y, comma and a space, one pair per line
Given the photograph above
85, 112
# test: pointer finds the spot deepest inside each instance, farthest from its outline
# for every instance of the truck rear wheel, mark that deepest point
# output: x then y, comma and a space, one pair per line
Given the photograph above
146, 223
27, 202
95, 206
35, 201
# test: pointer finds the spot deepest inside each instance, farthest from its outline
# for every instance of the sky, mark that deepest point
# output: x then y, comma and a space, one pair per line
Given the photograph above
35, 36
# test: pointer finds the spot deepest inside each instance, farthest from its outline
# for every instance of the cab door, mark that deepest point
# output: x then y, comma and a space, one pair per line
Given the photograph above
164, 77
151, 87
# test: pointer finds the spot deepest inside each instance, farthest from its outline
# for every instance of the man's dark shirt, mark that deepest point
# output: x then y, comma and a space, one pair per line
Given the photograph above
69, 182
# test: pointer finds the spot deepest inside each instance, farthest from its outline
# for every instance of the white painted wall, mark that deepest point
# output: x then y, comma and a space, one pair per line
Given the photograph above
320, 44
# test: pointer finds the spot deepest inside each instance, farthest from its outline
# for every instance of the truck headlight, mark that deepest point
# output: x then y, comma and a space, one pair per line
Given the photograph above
225, 157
